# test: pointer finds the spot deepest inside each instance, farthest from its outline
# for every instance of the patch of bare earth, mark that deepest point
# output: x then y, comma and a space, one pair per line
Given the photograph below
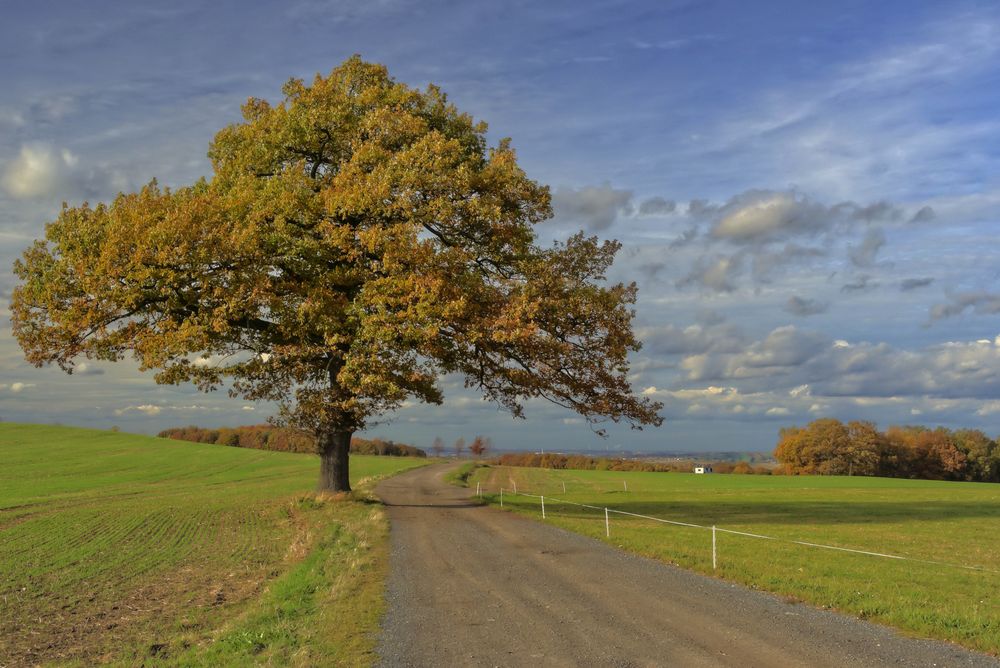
165, 611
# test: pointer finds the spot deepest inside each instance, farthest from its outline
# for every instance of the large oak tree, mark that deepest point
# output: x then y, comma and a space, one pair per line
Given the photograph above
355, 242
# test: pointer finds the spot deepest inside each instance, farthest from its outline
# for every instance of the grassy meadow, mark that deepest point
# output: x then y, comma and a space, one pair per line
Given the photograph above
949, 522
128, 550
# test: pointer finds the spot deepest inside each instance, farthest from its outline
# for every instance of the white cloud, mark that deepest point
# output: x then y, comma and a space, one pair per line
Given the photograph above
718, 272
700, 338
593, 207
148, 409
157, 409
17, 387
762, 218
788, 359
37, 171
87, 369
42, 171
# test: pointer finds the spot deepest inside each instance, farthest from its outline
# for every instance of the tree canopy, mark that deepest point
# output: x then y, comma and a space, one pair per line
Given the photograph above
829, 447
355, 242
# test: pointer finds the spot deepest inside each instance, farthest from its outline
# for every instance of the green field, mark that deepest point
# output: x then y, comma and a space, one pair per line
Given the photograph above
125, 549
950, 522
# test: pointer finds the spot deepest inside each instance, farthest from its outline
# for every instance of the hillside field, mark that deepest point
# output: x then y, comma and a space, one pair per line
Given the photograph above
954, 523
126, 549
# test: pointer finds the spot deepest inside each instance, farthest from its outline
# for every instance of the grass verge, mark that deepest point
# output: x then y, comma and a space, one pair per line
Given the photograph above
460, 475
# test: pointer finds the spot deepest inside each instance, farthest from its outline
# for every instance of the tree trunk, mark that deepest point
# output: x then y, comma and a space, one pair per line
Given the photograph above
334, 450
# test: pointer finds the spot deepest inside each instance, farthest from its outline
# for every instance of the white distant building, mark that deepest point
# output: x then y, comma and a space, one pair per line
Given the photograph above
703, 469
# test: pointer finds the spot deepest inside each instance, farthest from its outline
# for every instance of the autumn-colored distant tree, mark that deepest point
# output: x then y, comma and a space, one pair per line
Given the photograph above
982, 453
742, 468
827, 446
790, 450
459, 446
479, 446
821, 447
438, 446
865, 449
355, 242
926, 453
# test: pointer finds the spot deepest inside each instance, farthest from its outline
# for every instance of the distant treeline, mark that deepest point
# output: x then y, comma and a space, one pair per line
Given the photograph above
583, 462
268, 437
830, 447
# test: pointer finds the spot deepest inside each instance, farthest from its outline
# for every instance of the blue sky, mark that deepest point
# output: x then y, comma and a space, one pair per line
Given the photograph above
807, 193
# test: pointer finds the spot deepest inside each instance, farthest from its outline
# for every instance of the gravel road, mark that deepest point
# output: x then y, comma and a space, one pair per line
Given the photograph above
475, 586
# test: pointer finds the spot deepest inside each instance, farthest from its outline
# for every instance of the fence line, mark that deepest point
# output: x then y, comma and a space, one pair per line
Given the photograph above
607, 525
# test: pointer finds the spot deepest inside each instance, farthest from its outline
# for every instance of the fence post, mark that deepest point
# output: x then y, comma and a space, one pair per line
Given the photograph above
543, 507
501, 497
607, 524
515, 487
477, 490
714, 562
564, 486
625, 482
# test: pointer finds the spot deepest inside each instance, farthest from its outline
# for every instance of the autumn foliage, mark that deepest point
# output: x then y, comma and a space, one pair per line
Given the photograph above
356, 241
830, 447
269, 437
587, 463
480, 445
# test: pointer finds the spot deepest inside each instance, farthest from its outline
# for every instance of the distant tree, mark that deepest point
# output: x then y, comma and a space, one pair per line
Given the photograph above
459, 447
827, 446
926, 453
946, 455
866, 446
821, 447
438, 446
982, 455
479, 446
790, 450
355, 242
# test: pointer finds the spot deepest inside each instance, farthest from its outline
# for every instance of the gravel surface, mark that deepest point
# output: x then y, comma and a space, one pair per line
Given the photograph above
475, 586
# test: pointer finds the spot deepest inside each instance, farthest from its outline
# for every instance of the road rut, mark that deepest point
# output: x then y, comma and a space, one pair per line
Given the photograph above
475, 586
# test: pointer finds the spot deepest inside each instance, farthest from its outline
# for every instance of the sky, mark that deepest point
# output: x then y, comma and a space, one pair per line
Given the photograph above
807, 194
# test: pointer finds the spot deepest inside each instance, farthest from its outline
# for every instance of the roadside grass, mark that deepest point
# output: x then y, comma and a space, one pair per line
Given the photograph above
459, 476
946, 522
128, 550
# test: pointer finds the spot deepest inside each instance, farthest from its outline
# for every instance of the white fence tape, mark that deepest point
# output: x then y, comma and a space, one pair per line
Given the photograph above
747, 534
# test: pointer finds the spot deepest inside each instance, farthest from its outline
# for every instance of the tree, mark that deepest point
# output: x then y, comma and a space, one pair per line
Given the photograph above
355, 242
866, 446
823, 447
459, 446
438, 446
479, 446
742, 468
982, 453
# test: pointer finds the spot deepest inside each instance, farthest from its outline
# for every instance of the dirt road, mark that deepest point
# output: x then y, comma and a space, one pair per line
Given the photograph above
475, 586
